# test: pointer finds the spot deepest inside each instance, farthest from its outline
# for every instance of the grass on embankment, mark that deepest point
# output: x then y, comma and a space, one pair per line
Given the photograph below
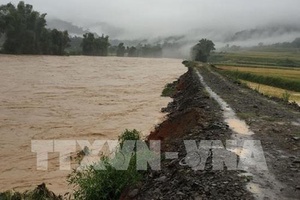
169, 90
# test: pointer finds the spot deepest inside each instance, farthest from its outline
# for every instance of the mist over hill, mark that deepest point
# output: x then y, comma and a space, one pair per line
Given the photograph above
178, 45
97, 28
268, 34
233, 21
61, 25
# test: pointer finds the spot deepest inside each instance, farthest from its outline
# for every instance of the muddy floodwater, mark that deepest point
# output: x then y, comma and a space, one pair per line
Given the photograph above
69, 98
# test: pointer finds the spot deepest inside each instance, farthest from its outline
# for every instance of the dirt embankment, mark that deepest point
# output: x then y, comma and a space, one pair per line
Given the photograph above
192, 116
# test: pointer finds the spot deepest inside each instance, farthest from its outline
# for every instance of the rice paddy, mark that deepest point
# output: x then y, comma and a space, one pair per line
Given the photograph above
273, 91
272, 73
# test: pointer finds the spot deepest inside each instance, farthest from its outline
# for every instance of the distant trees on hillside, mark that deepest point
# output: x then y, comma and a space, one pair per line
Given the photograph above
121, 50
150, 51
201, 51
95, 46
132, 51
294, 44
25, 32
87, 45
146, 50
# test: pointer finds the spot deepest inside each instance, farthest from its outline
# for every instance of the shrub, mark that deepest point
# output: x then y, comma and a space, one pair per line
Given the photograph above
93, 183
189, 63
169, 90
129, 135
108, 183
286, 96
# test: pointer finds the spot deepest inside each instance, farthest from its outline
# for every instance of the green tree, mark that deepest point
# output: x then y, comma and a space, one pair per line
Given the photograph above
59, 41
45, 42
25, 31
201, 51
121, 50
112, 50
132, 52
88, 44
22, 28
75, 48
94, 46
102, 45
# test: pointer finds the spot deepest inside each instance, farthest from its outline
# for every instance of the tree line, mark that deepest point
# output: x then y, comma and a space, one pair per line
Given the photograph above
100, 46
294, 44
24, 31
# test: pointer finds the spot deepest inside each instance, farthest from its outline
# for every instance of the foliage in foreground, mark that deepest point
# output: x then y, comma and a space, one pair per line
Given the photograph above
93, 183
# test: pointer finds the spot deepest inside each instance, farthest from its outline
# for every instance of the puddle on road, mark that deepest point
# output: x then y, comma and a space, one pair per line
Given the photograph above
234, 123
238, 126
254, 188
296, 123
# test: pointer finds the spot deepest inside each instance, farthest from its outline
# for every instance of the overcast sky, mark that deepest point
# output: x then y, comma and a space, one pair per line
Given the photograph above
171, 17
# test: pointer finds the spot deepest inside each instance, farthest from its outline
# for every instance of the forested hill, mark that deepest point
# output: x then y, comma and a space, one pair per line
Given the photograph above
266, 32
64, 25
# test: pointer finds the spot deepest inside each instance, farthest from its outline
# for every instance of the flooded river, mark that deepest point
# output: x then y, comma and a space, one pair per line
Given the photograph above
45, 98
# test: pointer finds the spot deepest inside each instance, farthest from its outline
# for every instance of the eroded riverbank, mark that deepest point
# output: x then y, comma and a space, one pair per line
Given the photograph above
193, 116
196, 116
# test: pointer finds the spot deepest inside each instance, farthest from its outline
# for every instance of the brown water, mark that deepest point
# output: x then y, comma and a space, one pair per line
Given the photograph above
44, 97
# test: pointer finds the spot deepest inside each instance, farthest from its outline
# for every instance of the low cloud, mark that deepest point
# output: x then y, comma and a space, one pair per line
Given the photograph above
137, 19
